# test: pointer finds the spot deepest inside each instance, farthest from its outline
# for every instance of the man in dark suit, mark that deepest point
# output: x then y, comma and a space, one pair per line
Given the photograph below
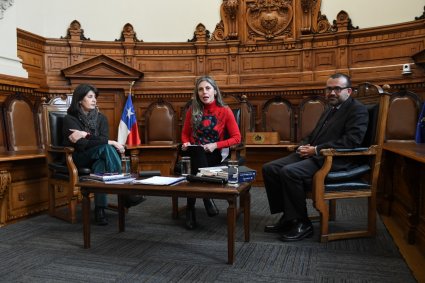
343, 125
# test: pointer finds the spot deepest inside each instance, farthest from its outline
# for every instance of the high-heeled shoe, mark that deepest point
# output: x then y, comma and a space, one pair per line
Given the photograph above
190, 218
100, 216
210, 207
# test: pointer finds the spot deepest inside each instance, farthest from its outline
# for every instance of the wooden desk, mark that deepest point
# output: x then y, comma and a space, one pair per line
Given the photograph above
403, 187
185, 189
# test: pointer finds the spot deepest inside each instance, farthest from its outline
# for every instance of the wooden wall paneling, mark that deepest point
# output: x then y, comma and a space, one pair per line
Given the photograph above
31, 51
111, 104
405, 199
3, 142
420, 236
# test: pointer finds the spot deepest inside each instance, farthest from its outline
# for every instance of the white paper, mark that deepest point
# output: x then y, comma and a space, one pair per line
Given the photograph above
160, 180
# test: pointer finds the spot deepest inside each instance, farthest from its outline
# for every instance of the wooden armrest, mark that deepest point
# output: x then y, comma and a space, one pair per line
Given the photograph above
237, 147
372, 150
63, 149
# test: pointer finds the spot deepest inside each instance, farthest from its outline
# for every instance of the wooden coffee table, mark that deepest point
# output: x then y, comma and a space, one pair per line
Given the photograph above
184, 189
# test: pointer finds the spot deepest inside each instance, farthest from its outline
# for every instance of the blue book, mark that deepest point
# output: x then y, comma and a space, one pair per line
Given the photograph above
246, 174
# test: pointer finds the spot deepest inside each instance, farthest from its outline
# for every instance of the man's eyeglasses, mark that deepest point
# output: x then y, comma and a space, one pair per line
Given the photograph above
336, 89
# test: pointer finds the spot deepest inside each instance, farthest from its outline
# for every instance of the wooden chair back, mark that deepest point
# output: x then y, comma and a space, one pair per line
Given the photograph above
62, 172
402, 127
160, 124
310, 110
278, 116
20, 124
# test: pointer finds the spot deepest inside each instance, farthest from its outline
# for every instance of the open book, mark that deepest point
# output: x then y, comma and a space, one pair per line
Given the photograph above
160, 180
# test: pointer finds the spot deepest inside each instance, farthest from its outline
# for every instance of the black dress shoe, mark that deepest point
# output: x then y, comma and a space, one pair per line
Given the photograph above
133, 200
281, 226
100, 216
298, 232
210, 207
190, 223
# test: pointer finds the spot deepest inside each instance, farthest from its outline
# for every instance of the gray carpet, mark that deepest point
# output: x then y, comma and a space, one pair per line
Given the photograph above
156, 248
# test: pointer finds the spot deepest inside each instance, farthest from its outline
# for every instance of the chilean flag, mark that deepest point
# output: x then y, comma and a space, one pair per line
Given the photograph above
128, 132
420, 127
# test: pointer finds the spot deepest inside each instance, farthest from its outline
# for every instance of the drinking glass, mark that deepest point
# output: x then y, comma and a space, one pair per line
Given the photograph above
126, 164
185, 166
232, 172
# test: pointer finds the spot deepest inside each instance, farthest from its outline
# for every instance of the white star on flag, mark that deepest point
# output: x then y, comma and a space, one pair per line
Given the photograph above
129, 113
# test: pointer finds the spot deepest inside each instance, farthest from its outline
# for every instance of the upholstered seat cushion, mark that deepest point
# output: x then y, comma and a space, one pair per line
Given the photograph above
61, 170
347, 179
341, 176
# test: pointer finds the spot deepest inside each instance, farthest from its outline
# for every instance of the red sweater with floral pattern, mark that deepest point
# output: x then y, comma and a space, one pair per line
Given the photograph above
216, 121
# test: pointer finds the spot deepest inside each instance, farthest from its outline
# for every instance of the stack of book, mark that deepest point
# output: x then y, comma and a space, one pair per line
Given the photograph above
246, 174
217, 171
109, 178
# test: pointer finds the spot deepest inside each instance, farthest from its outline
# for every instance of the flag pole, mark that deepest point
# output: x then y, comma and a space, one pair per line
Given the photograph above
131, 85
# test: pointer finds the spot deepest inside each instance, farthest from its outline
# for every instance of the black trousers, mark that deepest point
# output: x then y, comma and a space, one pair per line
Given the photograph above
200, 158
286, 180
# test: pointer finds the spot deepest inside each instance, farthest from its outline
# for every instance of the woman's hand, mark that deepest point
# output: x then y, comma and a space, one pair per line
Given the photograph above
185, 145
119, 147
76, 135
210, 147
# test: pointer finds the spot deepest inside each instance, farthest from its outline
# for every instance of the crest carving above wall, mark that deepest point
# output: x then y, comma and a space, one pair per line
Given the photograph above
253, 21
270, 18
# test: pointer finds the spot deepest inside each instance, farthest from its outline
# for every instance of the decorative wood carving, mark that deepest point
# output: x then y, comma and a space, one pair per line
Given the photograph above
270, 19
323, 24
309, 15
75, 32
421, 17
201, 34
343, 22
218, 33
229, 10
128, 34
4, 5
101, 70
128, 39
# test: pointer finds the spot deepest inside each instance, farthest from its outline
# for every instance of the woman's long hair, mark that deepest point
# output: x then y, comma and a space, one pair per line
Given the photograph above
79, 93
198, 105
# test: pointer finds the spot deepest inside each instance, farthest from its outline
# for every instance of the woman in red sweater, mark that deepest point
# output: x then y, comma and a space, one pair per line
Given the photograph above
211, 125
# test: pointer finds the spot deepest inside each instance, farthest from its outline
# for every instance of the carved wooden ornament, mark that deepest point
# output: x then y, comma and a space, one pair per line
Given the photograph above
269, 18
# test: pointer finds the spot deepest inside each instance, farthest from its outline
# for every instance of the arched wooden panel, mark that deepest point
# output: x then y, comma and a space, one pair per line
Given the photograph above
403, 116
160, 123
278, 117
20, 124
310, 111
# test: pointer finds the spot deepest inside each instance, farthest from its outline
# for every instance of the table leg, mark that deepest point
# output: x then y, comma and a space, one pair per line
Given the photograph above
247, 214
86, 218
231, 223
175, 205
121, 213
